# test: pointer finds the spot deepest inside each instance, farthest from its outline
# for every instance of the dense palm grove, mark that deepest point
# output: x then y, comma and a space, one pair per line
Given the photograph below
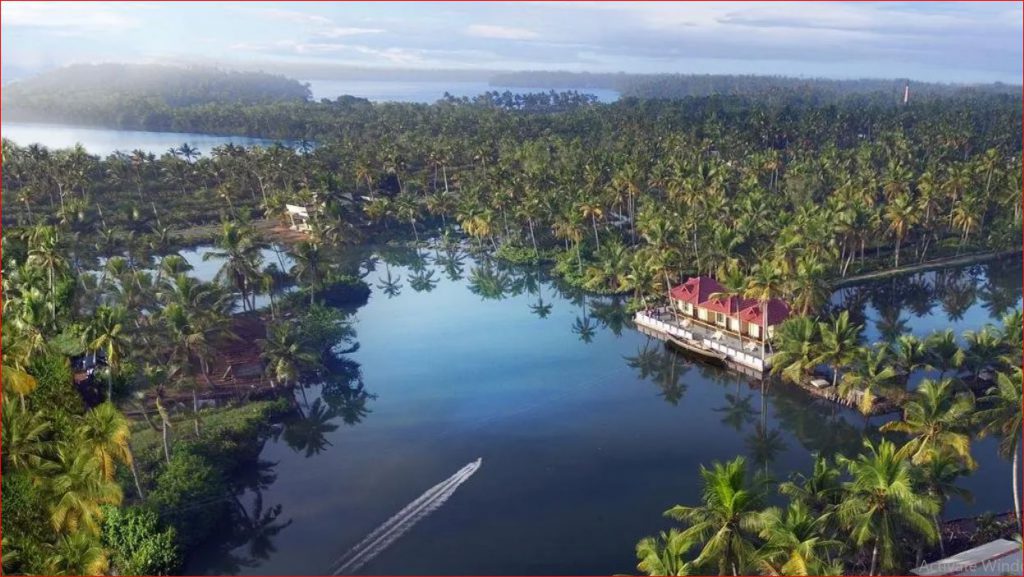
875, 512
774, 199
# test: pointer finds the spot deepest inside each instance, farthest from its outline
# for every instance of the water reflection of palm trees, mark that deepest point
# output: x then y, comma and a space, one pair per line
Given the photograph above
423, 281
611, 313
486, 280
259, 527
738, 410
995, 286
540, 308
584, 327
307, 433
765, 445
388, 284
664, 367
452, 262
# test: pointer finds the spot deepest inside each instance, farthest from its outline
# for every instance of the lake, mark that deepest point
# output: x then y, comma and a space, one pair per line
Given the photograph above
587, 429
103, 141
428, 92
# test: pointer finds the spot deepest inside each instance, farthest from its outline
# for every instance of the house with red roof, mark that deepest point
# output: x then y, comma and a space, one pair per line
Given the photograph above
699, 299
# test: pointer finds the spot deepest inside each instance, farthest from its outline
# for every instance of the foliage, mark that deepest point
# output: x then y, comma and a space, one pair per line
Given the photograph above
189, 495
137, 543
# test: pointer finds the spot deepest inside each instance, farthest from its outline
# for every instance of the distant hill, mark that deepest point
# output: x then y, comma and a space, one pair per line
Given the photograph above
75, 93
689, 85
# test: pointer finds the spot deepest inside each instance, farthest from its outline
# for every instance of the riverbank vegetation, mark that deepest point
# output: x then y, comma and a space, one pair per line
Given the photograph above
875, 512
86, 490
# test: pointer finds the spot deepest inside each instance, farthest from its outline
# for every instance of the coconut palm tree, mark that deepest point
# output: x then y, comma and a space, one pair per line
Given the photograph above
76, 554
882, 501
727, 523
1000, 415
839, 344
308, 268
809, 288
902, 215
286, 354
983, 348
795, 543
664, 554
765, 283
938, 420
796, 346
105, 431
872, 375
239, 248
909, 353
938, 477
106, 333
821, 492
24, 439
46, 253
943, 351
82, 490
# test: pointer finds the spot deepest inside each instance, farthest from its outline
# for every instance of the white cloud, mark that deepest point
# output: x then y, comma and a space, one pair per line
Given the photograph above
65, 17
500, 32
293, 16
341, 31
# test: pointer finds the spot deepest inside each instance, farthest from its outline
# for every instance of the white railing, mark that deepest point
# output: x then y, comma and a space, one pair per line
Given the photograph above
651, 320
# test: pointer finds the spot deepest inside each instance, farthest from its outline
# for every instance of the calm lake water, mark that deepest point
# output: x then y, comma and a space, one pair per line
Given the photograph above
428, 92
102, 141
588, 430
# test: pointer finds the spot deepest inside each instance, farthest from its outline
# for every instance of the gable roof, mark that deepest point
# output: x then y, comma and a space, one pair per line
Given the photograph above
778, 311
696, 290
730, 305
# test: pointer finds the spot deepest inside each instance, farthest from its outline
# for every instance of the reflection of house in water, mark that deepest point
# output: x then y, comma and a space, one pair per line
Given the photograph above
728, 328
299, 217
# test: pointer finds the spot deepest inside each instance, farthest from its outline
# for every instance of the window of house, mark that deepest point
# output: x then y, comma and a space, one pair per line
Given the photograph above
720, 318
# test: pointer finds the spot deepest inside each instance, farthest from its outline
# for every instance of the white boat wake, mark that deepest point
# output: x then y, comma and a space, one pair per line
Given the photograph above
401, 522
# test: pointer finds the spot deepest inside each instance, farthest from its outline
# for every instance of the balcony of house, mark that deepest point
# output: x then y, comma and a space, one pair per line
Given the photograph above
735, 346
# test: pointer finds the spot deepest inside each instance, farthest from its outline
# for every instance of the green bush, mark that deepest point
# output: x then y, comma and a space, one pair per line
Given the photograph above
26, 525
55, 393
137, 544
190, 495
515, 254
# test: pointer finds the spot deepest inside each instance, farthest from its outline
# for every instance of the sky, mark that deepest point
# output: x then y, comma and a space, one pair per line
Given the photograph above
946, 42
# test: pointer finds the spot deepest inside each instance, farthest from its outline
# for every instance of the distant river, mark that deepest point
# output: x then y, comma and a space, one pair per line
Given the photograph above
428, 92
104, 141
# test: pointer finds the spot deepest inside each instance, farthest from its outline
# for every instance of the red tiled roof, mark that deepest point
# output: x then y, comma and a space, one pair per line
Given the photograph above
778, 311
730, 305
695, 290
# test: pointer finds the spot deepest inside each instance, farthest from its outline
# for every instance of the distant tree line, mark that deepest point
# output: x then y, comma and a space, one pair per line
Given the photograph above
114, 94
684, 85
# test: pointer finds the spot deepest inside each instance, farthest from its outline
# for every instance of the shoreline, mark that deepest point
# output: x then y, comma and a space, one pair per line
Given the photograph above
961, 260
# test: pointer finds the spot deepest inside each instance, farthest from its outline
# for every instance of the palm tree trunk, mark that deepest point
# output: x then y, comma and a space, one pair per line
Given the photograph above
135, 474
597, 240
942, 542
874, 558
195, 411
533, 239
